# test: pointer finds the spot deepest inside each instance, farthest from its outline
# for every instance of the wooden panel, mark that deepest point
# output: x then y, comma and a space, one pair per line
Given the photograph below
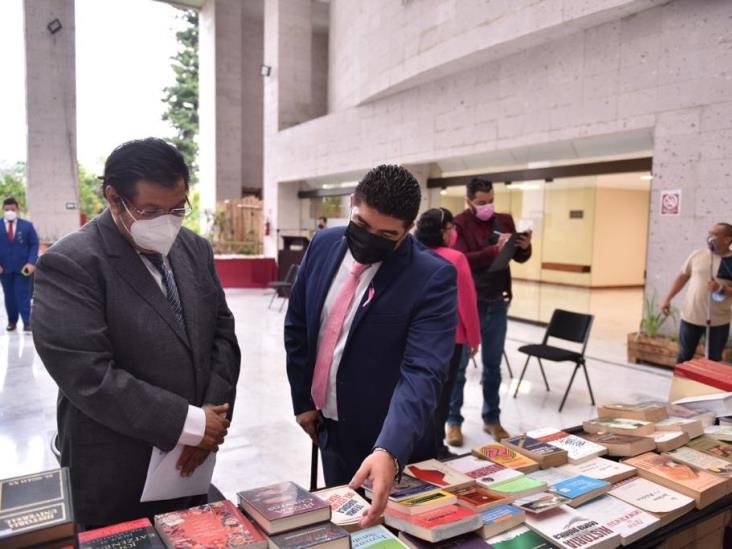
566, 267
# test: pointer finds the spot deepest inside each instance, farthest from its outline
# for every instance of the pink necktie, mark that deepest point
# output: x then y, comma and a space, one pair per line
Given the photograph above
331, 334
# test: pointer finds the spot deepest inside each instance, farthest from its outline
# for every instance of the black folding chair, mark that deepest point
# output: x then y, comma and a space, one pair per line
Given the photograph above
568, 326
505, 357
282, 287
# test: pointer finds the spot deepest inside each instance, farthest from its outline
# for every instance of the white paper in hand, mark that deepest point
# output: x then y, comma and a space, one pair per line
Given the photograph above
164, 480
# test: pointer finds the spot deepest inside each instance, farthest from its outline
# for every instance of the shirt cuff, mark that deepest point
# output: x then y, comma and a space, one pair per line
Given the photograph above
194, 428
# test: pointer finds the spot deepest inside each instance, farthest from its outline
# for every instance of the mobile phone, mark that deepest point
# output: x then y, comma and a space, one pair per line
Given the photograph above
24, 271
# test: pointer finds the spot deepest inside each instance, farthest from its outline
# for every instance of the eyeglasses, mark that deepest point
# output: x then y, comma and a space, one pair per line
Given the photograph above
152, 213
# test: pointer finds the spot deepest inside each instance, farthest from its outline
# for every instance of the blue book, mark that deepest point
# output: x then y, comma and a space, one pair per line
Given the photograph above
500, 519
580, 489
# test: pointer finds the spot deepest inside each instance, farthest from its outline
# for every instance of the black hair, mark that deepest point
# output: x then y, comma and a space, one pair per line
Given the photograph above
392, 191
150, 159
476, 185
10, 201
727, 229
430, 226
323, 219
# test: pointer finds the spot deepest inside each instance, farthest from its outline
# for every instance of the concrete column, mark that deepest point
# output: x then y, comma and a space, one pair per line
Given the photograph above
53, 181
231, 102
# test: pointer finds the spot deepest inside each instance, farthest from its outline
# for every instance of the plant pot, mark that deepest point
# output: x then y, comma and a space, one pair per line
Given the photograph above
661, 350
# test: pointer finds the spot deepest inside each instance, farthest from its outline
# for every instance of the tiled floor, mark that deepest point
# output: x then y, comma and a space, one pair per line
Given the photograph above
265, 444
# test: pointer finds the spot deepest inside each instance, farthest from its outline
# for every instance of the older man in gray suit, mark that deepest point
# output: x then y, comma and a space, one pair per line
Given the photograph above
131, 322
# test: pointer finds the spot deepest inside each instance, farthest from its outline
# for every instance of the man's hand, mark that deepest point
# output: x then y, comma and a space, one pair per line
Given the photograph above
1, 270
666, 307
379, 468
524, 240
216, 426
190, 459
502, 239
309, 422
29, 268
713, 286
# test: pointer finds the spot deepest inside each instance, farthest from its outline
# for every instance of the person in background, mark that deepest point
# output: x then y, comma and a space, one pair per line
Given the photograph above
702, 270
369, 333
481, 234
18, 256
322, 223
435, 229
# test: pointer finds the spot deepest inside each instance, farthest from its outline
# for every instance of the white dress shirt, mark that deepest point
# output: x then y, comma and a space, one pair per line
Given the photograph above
195, 426
330, 410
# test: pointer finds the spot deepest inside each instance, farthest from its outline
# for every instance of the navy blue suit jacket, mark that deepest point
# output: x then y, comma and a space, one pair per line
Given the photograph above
23, 249
397, 353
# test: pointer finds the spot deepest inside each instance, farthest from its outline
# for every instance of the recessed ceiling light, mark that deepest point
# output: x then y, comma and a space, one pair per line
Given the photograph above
646, 177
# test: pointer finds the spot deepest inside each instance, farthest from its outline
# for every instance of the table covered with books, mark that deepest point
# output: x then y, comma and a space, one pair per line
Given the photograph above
640, 476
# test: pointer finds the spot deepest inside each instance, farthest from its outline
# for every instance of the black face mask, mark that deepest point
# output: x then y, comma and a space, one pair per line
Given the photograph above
368, 248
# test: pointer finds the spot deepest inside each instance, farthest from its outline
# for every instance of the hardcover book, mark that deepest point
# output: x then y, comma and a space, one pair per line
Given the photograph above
438, 525
376, 537
570, 529
500, 519
218, 525
662, 502
438, 474
346, 506
465, 541
625, 519
283, 506
478, 498
704, 487
135, 534
518, 488
498, 453
325, 535
619, 426
578, 449
646, 411
36, 509
621, 445
519, 538
486, 473
580, 489
716, 448
700, 460
544, 454
602, 469
423, 502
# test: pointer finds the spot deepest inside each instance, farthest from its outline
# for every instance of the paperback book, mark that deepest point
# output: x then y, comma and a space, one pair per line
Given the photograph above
423, 502
706, 417
719, 432
438, 474
438, 525
478, 498
621, 445
625, 519
376, 537
540, 503
662, 502
519, 538
544, 454
619, 426
669, 440
578, 449
470, 540
406, 487
570, 529
580, 489
498, 453
645, 411
602, 469
486, 473
500, 519
715, 448
692, 427
518, 488
700, 460
346, 506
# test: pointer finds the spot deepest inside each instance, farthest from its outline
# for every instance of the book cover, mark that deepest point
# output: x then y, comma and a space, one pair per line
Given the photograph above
498, 453
519, 538
578, 486
706, 417
716, 448
36, 508
423, 502
436, 525
718, 403
619, 425
438, 474
693, 427
280, 500
478, 498
135, 534
621, 517
578, 449
719, 432
540, 503
601, 468
621, 445
650, 496
346, 506
646, 411
464, 541
311, 536
405, 487
700, 460
514, 488
376, 537
568, 528
669, 440
218, 525
500, 514
552, 475
485, 473
534, 448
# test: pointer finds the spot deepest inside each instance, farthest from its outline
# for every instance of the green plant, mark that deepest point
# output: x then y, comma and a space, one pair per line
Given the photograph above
654, 319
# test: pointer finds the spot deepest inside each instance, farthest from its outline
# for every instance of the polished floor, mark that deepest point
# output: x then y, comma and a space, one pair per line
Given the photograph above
264, 443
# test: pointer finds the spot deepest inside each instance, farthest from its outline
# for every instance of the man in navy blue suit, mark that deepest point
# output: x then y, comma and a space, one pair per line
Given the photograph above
18, 256
369, 334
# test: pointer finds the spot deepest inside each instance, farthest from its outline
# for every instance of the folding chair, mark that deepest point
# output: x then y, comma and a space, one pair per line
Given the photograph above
568, 326
505, 357
282, 287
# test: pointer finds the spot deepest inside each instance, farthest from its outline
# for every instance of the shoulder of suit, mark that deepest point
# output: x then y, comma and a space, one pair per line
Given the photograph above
81, 244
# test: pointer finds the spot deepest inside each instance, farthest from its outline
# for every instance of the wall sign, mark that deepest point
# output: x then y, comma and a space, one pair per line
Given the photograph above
671, 202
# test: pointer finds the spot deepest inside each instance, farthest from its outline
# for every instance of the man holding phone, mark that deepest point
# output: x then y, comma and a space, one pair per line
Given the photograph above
481, 235
18, 256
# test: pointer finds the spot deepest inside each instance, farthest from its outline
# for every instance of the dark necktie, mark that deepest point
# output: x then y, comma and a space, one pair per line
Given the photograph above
171, 290
11, 231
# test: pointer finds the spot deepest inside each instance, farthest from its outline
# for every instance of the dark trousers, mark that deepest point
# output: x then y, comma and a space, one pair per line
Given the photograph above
691, 334
493, 327
443, 407
16, 288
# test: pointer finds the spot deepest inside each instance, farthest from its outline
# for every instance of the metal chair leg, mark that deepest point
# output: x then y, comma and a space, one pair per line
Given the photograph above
587, 377
508, 365
521, 378
284, 300
541, 367
571, 380
274, 295
475, 364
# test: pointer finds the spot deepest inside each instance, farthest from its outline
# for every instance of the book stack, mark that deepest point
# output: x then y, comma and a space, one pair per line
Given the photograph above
645, 411
578, 449
546, 455
619, 426
621, 445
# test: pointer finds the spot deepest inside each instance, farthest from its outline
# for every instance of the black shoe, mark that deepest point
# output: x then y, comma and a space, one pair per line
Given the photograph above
444, 453
27, 328
10, 328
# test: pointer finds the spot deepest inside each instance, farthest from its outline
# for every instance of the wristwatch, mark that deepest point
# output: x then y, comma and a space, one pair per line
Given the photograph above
397, 468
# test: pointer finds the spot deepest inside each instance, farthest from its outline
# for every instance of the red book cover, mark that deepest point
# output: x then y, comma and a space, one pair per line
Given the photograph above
707, 372
435, 518
217, 525
133, 534
554, 436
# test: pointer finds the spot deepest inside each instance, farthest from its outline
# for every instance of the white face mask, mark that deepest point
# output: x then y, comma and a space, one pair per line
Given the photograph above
157, 234
10, 215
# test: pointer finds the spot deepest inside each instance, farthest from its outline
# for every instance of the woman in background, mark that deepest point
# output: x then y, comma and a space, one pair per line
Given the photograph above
435, 230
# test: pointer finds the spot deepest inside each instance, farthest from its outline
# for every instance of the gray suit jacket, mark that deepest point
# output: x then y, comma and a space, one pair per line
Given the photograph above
125, 368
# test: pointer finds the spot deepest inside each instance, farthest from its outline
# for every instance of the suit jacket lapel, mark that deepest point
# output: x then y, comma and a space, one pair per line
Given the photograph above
330, 268
130, 267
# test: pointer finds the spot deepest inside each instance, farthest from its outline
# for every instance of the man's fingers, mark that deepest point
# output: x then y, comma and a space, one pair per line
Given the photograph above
359, 478
221, 408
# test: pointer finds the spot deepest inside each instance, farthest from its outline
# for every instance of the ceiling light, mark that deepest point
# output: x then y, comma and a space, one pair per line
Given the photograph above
646, 177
